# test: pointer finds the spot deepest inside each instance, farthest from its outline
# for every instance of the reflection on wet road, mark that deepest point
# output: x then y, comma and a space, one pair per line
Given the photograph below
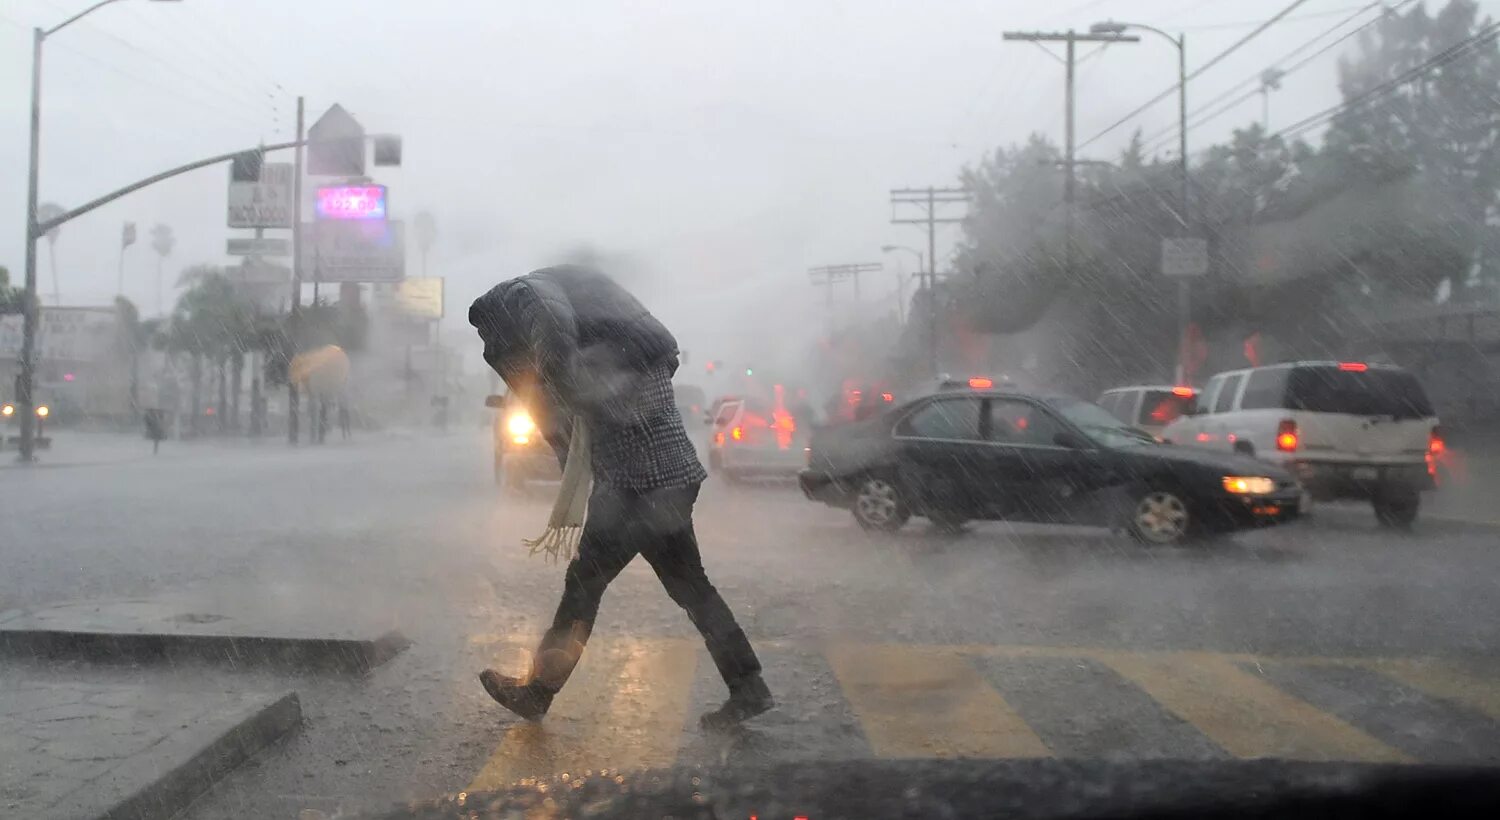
1327, 640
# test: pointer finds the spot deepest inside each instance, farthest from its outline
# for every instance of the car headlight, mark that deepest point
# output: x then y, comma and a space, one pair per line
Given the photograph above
7, 410
1249, 485
43, 411
520, 427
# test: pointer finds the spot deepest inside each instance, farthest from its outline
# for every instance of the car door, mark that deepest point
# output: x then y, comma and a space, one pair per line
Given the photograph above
1036, 476
937, 455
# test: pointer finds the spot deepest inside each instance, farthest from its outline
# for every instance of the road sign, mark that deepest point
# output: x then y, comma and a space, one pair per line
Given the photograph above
258, 246
351, 202
263, 204
1184, 257
354, 251
336, 145
421, 297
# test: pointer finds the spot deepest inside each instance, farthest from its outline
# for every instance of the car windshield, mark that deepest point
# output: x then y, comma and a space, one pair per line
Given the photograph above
595, 400
1100, 424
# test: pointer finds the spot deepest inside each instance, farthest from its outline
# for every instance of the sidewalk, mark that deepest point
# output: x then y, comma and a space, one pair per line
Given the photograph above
82, 750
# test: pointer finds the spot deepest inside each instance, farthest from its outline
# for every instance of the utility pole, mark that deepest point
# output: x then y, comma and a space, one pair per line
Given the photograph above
826, 275
292, 402
929, 199
1070, 182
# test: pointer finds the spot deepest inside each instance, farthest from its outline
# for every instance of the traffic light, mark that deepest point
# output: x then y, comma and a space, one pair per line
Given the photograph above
387, 150
245, 167
749, 371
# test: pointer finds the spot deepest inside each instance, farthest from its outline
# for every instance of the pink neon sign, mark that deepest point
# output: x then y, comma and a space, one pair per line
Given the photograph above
352, 202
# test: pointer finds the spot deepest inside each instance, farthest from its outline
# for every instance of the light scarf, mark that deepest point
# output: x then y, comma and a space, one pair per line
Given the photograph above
565, 525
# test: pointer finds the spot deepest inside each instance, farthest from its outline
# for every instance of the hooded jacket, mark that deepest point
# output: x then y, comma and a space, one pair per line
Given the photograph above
570, 340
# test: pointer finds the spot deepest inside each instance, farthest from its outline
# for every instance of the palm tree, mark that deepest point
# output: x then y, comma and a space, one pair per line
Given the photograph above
214, 324
162, 241
135, 336
426, 228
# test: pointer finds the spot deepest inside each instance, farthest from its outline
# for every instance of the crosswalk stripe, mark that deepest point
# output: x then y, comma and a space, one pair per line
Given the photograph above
915, 701
1242, 713
1443, 680
624, 708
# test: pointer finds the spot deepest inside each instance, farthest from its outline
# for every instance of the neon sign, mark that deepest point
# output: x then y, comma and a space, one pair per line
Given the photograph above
352, 203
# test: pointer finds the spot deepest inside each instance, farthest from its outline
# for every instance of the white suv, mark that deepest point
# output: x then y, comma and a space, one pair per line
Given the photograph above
1345, 429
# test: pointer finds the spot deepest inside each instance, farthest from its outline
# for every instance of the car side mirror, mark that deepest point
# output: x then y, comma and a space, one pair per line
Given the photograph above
1070, 440
496, 402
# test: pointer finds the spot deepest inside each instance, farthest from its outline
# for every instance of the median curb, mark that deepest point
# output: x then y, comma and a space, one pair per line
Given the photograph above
338, 655
200, 768
301, 633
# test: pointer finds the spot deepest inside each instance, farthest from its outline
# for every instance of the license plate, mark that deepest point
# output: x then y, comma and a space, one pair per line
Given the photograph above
1364, 473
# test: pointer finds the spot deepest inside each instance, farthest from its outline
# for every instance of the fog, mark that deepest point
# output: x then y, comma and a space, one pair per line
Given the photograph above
723, 148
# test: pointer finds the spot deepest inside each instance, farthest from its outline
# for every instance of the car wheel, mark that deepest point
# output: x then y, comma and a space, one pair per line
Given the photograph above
1397, 511
878, 505
1161, 517
947, 522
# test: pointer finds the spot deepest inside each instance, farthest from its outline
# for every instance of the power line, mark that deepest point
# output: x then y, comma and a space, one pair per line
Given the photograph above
1454, 52
1215, 60
1155, 140
1296, 18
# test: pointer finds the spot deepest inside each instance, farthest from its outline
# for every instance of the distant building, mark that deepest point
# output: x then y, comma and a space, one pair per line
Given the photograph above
83, 361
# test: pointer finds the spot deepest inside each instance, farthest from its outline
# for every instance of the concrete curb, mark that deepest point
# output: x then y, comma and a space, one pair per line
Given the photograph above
169, 794
338, 655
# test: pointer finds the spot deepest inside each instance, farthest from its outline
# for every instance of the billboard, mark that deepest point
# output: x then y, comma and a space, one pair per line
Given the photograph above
360, 203
353, 251
266, 203
65, 334
420, 297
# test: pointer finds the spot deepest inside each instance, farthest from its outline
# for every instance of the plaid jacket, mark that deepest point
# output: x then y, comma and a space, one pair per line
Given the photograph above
643, 446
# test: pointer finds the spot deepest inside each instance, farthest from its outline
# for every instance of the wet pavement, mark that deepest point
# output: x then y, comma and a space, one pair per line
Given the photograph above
1326, 640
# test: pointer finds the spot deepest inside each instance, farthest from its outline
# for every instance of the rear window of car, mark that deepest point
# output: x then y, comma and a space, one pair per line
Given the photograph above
1163, 406
1372, 392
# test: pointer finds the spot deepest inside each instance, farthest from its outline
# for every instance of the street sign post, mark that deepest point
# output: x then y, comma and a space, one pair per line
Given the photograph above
266, 203
258, 246
1184, 257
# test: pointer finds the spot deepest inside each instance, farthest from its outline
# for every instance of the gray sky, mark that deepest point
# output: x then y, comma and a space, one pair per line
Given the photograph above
723, 147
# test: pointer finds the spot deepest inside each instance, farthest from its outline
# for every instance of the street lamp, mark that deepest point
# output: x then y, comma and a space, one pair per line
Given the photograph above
1270, 80
1180, 41
25, 380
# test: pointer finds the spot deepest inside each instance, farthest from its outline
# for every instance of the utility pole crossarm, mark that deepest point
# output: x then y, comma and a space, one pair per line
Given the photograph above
1065, 36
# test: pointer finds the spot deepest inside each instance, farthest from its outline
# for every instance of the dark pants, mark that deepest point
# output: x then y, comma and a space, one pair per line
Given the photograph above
658, 524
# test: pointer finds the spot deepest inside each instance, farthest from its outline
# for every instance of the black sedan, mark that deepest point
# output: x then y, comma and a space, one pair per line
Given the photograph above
993, 455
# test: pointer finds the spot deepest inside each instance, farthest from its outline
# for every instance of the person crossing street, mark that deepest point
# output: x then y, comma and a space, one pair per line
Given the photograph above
595, 369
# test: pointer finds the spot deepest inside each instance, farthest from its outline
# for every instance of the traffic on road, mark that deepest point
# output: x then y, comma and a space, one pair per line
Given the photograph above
770, 410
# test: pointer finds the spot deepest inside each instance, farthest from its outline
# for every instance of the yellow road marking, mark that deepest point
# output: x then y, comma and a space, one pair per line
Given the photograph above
623, 708
1443, 680
919, 702
1245, 715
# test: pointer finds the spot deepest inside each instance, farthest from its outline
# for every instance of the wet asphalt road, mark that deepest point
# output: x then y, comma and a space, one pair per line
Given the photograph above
1328, 639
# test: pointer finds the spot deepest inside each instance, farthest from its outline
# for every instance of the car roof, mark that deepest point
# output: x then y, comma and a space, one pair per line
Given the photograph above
1163, 387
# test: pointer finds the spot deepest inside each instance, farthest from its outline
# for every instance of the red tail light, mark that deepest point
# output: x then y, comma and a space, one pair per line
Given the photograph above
981, 383
1354, 367
887, 397
1435, 449
1184, 392
737, 433
1286, 436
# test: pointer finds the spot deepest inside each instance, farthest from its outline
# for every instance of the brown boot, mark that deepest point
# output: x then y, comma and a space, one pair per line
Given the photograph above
747, 699
529, 700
